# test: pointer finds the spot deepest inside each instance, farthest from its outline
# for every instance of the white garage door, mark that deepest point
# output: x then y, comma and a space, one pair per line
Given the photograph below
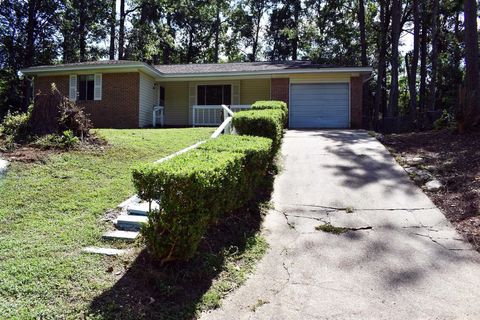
323, 105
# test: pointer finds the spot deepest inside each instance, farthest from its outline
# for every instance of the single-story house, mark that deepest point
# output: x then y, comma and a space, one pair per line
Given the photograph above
130, 94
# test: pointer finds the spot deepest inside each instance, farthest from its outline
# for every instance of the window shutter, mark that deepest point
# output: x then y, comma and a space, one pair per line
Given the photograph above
72, 92
97, 91
236, 92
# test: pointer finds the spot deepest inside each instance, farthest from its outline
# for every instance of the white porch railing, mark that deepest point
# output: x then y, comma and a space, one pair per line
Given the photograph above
213, 115
158, 117
226, 126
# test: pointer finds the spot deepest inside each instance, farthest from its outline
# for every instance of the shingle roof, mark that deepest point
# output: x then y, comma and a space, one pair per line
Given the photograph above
198, 69
238, 67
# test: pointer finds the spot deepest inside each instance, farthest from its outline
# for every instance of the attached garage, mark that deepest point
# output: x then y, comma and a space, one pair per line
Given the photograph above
320, 105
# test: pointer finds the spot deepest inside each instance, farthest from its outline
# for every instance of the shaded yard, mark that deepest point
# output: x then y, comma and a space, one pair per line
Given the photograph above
53, 207
455, 160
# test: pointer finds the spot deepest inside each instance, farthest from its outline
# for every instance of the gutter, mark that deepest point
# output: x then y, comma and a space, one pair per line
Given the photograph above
140, 65
268, 72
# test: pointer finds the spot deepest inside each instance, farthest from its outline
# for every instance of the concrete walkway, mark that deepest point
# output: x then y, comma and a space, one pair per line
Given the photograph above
410, 265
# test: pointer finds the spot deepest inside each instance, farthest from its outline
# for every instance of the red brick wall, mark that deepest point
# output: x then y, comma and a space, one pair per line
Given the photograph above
356, 102
120, 99
280, 89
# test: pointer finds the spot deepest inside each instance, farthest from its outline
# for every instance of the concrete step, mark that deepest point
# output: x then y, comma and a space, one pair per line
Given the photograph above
104, 251
130, 222
120, 235
141, 208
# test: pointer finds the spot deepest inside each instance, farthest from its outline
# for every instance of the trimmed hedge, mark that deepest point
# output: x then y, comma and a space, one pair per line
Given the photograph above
196, 188
272, 104
263, 123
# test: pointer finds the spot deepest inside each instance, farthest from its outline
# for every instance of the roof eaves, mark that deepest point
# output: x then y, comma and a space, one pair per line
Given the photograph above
365, 70
36, 70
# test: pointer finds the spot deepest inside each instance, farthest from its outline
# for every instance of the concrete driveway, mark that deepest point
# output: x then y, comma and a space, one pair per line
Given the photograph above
400, 260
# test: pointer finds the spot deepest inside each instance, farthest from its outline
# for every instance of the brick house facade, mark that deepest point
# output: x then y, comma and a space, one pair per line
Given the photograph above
119, 106
129, 91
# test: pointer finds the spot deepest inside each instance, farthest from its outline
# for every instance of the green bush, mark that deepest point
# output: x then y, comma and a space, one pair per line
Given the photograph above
258, 156
196, 188
67, 140
276, 105
14, 127
263, 123
446, 120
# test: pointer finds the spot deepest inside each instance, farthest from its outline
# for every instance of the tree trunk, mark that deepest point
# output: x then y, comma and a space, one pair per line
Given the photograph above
296, 15
190, 46
423, 60
217, 33
121, 31
434, 57
363, 41
381, 74
111, 52
31, 29
412, 71
30, 51
82, 43
167, 48
471, 113
256, 36
396, 17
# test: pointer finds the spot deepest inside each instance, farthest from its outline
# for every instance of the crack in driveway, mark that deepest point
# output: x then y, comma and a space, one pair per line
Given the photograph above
441, 245
333, 209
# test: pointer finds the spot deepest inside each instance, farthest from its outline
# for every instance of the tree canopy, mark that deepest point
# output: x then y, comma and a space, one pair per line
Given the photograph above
422, 52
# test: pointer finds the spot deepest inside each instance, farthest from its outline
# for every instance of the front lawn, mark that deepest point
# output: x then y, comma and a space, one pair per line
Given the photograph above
50, 209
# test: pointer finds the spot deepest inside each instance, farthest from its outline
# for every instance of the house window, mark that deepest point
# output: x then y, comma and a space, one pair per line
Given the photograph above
161, 97
86, 87
214, 94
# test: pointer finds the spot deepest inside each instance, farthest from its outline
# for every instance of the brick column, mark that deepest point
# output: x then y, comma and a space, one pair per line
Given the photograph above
356, 102
280, 89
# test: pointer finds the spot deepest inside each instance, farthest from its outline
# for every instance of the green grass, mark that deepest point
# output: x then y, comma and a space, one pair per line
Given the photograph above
327, 227
50, 210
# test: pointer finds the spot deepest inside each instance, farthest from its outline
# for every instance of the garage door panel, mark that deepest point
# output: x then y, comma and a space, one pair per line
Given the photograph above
326, 111
326, 103
319, 105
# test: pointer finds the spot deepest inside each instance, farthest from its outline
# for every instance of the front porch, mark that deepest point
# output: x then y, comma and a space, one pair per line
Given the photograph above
202, 116
198, 103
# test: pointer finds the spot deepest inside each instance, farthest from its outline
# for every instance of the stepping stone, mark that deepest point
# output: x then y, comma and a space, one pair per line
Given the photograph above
433, 185
133, 200
414, 161
120, 235
141, 209
104, 251
3, 166
130, 222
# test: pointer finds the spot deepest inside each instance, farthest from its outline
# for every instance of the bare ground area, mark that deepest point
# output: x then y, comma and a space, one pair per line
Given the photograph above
454, 159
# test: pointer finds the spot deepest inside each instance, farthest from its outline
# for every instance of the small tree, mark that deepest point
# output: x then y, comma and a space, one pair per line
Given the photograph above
53, 113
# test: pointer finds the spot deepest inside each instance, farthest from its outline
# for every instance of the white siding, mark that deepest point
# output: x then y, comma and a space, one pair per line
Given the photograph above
147, 100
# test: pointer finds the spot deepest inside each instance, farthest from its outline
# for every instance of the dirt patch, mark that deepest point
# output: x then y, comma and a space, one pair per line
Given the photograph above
30, 152
454, 159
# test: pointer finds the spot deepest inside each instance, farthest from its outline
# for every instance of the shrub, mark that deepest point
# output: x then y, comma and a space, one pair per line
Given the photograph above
258, 156
262, 123
14, 127
195, 189
446, 120
276, 105
54, 113
66, 140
